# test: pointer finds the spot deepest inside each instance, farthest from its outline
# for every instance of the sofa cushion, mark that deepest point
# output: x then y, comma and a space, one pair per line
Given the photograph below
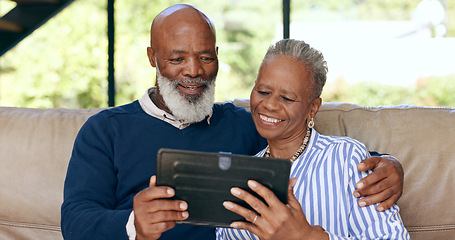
35, 147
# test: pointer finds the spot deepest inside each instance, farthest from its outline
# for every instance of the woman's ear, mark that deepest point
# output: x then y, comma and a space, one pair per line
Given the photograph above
314, 106
151, 55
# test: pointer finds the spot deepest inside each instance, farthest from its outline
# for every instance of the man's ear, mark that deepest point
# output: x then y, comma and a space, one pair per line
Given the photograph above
151, 55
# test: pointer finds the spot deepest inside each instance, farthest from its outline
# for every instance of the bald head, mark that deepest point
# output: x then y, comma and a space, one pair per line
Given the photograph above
177, 18
183, 51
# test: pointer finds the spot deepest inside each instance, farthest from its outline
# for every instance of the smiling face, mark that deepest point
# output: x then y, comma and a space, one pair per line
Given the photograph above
281, 100
183, 50
183, 47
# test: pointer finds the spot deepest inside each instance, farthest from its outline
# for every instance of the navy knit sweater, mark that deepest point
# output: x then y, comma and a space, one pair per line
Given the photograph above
114, 157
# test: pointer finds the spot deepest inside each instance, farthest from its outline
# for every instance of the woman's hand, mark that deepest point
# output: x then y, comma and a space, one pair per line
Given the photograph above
275, 221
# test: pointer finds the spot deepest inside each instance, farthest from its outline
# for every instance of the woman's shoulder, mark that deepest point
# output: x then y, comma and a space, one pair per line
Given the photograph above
342, 146
339, 140
340, 151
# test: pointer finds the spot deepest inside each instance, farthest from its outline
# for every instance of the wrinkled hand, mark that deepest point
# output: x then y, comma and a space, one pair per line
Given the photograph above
153, 213
384, 185
275, 221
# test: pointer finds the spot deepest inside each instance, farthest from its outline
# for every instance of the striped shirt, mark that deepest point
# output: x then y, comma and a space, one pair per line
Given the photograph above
327, 174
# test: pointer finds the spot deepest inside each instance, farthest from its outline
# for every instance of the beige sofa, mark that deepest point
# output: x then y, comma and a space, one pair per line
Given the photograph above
35, 146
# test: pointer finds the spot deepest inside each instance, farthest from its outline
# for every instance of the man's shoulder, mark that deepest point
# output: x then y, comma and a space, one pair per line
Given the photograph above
228, 112
129, 108
231, 108
116, 113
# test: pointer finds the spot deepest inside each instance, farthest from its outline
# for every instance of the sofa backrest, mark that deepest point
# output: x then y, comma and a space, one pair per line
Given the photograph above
36, 144
423, 140
35, 147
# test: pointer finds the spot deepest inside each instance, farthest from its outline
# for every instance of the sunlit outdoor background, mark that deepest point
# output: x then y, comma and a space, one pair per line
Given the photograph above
379, 52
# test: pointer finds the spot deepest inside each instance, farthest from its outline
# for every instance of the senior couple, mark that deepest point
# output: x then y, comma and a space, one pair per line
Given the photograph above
110, 190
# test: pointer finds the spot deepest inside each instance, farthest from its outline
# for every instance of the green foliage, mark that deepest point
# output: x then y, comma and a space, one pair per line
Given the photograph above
371, 10
64, 63
439, 91
450, 18
242, 43
432, 91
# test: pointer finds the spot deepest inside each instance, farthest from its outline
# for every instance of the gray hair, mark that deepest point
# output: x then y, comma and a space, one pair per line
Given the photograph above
308, 56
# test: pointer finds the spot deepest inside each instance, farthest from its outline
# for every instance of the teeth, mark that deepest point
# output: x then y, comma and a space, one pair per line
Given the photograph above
191, 87
271, 120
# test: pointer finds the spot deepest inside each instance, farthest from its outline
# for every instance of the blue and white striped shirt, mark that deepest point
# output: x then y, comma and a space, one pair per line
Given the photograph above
327, 174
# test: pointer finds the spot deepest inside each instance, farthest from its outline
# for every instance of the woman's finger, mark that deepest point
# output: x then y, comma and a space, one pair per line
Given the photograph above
248, 214
292, 201
254, 220
255, 203
270, 198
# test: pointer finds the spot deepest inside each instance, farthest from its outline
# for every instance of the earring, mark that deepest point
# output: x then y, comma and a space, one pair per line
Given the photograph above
311, 123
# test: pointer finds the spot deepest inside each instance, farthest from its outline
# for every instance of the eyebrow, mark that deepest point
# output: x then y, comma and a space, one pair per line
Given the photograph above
207, 51
286, 92
177, 51
281, 91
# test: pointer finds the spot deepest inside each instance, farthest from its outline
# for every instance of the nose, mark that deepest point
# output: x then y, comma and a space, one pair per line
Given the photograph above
271, 103
193, 68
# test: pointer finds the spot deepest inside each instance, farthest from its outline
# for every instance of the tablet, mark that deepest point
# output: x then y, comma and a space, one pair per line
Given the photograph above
204, 181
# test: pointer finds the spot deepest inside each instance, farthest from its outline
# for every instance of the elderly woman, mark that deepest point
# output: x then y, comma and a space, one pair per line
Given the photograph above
321, 205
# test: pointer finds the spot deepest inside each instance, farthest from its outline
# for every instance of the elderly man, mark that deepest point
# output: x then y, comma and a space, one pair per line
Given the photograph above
110, 190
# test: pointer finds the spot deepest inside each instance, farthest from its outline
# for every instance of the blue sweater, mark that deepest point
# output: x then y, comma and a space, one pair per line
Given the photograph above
114, 156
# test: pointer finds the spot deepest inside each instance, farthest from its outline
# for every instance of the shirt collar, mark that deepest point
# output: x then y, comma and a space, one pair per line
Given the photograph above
151, 109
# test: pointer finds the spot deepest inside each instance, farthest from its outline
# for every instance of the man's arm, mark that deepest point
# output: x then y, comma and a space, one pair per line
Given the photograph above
384, 185
89, 207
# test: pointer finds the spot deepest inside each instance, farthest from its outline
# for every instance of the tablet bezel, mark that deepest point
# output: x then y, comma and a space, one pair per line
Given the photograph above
204, 179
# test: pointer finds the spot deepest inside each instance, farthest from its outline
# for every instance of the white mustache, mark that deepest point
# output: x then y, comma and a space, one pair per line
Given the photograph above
196, 80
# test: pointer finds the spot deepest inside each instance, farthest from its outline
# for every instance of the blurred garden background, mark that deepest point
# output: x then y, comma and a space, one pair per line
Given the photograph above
379, 52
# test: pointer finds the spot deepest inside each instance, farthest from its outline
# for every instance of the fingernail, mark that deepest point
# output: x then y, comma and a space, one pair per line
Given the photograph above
360, 185
228, 205
152, 180
183, 205
185, 214
294, 181
362, 204
170, 191
380, 208
252, 183
235, 191
356, 194
234, 225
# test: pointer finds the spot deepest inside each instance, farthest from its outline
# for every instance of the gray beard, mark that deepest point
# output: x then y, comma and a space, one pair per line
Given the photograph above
190, 109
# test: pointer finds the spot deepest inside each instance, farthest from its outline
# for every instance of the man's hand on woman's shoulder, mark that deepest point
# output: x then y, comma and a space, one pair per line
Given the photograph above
384, 185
